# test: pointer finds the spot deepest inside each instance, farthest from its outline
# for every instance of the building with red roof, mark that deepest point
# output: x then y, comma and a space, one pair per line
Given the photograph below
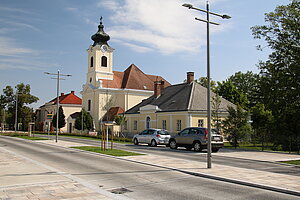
70, 104
107, 93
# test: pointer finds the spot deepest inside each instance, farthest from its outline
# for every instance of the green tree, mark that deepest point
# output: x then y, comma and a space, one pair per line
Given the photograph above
216, 102
280, 84
87, 121
203, 81
262, 119
8, 103
236, 125
247, 84
61, 118
229, 91
120, 120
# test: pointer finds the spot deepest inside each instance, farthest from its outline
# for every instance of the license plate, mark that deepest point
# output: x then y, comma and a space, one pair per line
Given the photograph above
217, 138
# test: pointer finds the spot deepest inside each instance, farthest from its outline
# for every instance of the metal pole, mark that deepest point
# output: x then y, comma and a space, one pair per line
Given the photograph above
48, 127
107, 136
57, 106
208, 93
16, 115
81, 121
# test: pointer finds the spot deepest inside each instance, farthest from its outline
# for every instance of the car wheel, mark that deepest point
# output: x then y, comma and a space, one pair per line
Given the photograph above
215, 150
173, 144
153, 143
197, 146
135, 141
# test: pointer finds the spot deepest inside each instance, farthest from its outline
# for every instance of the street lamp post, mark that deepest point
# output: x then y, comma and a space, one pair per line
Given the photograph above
57, 97
16, 115
208, 22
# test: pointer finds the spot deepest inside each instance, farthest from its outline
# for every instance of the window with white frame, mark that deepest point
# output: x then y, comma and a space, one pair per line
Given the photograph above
178, 125
135, 125
164, 124
200, 123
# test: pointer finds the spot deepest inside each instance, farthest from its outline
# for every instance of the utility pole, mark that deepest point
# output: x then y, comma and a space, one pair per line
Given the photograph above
208, 22
57, 96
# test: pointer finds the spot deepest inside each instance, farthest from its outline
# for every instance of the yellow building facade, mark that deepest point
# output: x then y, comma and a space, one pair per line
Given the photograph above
174, 108
106, 89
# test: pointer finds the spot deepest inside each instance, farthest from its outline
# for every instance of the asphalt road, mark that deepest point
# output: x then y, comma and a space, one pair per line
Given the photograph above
191, 155
141, 181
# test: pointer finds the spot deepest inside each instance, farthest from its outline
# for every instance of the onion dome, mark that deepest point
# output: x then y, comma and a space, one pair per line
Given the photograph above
100, 37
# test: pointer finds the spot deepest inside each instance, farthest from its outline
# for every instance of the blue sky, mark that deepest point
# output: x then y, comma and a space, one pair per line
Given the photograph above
160, 37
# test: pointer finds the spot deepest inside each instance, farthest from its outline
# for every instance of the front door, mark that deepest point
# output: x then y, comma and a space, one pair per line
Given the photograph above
70, 127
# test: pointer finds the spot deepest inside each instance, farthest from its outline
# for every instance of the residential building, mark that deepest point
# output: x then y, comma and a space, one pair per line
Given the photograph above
173, 108
70, 104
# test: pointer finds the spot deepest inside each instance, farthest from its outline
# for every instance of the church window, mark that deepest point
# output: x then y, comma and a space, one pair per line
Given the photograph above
91, 79
89, 105
148, 122
92, 61
104, 61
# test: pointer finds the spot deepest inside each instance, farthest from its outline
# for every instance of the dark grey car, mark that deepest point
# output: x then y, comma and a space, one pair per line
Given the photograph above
196, 137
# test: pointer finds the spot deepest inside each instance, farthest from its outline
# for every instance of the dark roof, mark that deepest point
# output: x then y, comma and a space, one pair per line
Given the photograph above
180, 97
133, 78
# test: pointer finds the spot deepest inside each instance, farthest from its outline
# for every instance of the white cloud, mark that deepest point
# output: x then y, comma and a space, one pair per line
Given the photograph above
14, 56
137, 48
19, 25
163, 25
7, 9
71, 9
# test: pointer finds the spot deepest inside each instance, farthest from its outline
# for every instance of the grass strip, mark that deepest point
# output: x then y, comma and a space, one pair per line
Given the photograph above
93, 138
292, 162
112, 152
31, 138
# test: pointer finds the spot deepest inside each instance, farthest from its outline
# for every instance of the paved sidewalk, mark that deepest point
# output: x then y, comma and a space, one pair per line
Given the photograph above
21, 179
253, 177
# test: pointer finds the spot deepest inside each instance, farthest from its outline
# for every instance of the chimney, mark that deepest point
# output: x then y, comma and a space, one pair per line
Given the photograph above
62, 94
162, 86
190, 77
157, 88
72, 92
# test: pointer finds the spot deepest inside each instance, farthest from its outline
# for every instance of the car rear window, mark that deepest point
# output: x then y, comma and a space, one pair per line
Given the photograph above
215, 131
163, 132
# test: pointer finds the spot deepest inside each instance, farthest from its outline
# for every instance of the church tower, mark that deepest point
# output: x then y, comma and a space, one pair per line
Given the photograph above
100, 58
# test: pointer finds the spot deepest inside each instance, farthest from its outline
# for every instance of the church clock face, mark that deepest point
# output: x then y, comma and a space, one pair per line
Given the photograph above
104, 48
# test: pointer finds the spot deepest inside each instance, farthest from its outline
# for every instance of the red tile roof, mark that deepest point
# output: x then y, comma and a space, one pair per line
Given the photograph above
70, 98
133, 78
111, 113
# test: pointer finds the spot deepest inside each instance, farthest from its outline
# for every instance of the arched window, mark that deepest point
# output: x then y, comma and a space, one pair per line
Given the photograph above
148, 122
89, 105
104, 61
92, 61
91, 79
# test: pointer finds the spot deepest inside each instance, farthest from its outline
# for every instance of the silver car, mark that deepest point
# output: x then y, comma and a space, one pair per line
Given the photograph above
152, 137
